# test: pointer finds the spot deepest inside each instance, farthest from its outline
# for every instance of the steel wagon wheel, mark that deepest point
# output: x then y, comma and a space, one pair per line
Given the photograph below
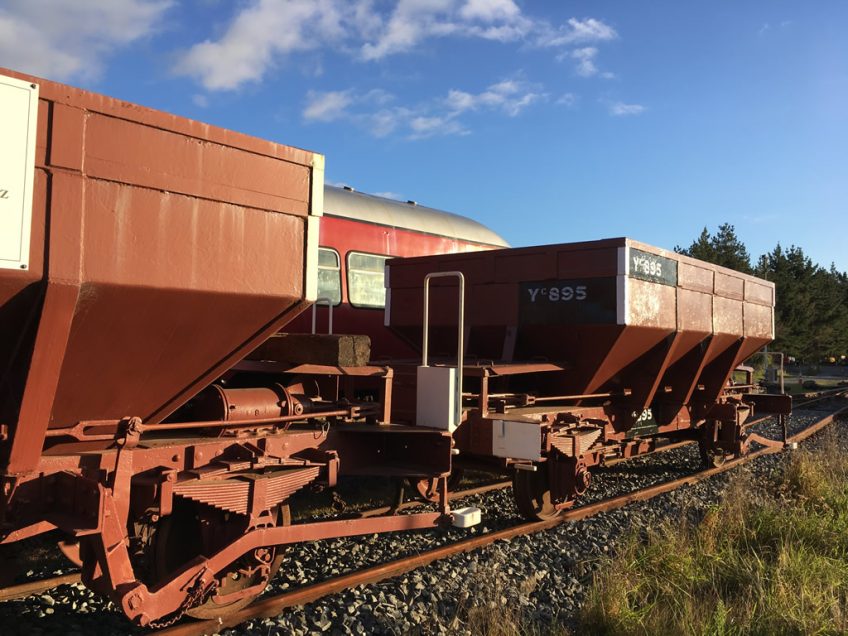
195, 530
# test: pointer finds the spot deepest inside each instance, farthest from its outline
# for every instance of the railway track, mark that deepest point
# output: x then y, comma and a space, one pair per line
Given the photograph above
31, 588
14, 592
271, 606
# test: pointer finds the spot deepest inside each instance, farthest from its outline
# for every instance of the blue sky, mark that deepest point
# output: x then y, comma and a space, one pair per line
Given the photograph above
548, 121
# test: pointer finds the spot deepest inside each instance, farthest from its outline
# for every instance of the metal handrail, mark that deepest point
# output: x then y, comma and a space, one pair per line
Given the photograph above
460, 326
322, 301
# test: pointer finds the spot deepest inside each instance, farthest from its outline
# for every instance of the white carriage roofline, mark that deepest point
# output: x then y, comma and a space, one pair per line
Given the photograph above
409, 216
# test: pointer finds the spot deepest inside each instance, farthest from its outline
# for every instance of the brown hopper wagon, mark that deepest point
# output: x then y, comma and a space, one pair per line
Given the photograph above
155, 412
144, 255
577, 353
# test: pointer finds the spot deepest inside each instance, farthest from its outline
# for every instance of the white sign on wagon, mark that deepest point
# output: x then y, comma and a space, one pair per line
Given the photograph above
18, 123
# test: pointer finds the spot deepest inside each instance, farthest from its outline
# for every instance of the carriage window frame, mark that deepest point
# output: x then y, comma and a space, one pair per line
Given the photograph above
337, 269
350, 284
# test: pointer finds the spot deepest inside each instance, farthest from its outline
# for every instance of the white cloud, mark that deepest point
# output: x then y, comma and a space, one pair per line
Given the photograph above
567, 99
416, 20
586, 61
577, 32
63, 39
460, 100
384, 122
489, 10
358, 108
258, 35
423, 127
355, 106
411, 22
372, 110
326, 107
265, 32
514, 107
620, 109
379, 96
509, 96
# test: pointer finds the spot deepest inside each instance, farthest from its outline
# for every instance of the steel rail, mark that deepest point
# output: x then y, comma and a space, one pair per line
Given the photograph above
14, 592
821, 395
271, 606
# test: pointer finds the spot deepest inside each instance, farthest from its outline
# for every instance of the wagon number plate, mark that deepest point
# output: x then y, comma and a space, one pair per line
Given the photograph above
574, 301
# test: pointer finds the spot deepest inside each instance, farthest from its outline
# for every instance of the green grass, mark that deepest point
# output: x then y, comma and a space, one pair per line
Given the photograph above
776, 567
792, 386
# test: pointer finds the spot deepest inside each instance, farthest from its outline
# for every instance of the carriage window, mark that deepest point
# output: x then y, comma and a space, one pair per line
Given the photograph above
365, 280
329, 275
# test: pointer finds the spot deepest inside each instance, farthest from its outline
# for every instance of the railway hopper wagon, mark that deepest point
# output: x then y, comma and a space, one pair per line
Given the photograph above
359, 233
143, 256
557, 358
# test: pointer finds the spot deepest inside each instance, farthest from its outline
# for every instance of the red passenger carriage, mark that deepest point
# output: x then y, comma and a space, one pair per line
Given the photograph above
359, 233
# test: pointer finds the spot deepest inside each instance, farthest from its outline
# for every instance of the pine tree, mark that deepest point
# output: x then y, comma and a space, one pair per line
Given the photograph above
723, 249
729, 250
792, 274
701, 248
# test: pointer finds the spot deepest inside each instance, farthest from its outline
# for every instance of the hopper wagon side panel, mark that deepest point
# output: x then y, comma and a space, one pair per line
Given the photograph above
162, 250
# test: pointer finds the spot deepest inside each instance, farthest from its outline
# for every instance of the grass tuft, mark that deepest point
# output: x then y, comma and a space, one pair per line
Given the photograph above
773, 563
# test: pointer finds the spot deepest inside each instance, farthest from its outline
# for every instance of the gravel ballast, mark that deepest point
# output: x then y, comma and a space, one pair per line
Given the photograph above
543, 576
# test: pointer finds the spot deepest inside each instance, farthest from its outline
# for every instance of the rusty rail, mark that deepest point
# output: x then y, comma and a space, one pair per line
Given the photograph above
14, 592
825, 394
272, 606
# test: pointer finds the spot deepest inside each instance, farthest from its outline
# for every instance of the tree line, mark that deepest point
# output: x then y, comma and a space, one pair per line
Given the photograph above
811, 314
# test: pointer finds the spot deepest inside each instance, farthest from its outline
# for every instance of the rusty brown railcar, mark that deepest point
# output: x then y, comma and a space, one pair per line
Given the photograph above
580, 352
144, 255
